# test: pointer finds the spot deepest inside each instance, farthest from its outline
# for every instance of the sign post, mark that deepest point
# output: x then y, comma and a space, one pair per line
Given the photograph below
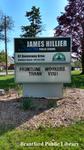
42, 65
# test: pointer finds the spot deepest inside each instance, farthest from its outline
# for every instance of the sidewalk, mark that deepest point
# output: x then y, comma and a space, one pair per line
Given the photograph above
4, 73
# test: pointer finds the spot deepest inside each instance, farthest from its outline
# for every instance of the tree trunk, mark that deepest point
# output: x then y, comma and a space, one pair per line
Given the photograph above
82, 55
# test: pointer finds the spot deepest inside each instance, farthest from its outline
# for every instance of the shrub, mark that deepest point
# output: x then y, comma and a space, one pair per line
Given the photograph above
26, 103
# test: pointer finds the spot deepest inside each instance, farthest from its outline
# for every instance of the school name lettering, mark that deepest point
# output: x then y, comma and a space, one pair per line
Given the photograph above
52, 43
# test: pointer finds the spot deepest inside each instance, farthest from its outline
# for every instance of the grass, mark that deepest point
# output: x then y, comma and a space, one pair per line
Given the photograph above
60, 136
77, 80
7, 82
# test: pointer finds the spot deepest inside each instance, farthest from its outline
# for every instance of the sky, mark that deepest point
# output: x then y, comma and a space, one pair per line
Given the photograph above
49, 10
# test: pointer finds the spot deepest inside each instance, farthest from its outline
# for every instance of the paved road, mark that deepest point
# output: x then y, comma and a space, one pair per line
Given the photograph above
4, 73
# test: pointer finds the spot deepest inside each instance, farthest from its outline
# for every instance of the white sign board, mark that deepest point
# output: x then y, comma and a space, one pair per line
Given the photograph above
42, 73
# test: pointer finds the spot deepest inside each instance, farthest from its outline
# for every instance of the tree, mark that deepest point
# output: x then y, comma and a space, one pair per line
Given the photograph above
35, 26
2, 57
1, 26
71, 22
6, 23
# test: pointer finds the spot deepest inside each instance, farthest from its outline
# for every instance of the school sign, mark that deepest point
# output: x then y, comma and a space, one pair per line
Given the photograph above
42, 65
42, 60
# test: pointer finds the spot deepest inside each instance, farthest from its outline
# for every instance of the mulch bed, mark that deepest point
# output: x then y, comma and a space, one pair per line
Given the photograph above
44, 112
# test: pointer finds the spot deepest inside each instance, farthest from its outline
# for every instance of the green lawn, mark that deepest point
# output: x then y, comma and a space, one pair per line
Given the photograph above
60, 137
77, 80
7, 82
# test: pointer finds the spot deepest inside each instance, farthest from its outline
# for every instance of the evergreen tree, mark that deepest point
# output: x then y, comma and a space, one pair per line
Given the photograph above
71, 22
35, 26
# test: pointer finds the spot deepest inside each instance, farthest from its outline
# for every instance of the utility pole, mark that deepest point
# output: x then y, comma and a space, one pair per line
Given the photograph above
5, 40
